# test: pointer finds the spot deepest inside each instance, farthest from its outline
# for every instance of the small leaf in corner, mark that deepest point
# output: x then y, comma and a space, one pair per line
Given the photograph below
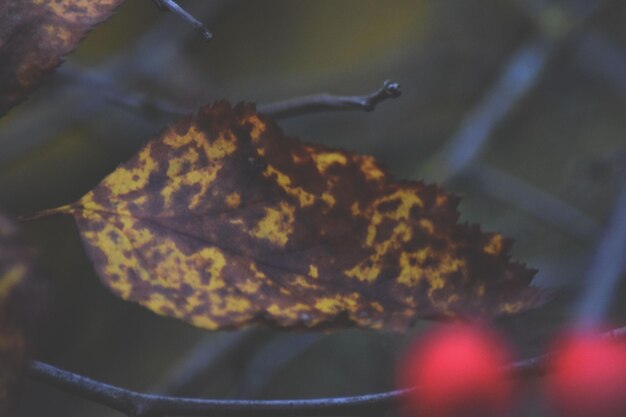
21, 304
36, 34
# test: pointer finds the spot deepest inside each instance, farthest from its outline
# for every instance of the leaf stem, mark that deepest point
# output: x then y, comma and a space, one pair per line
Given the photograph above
65, 209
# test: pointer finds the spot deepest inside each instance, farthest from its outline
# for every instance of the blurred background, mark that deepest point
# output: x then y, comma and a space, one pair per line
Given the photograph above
518, 105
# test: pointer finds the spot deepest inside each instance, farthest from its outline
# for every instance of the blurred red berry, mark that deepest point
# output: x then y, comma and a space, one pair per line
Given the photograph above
459, 371
588, 378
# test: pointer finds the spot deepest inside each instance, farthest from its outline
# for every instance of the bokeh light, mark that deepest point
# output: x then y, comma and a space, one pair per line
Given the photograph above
588, 377
459, 371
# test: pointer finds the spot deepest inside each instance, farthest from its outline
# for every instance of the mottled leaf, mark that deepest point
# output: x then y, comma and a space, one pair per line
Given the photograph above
222, 221
19, 298
36, 34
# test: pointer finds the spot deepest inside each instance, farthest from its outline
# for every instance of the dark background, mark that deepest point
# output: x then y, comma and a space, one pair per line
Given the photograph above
537, 88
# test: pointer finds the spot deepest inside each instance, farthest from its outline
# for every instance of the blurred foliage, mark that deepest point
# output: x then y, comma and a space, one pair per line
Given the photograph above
560, 138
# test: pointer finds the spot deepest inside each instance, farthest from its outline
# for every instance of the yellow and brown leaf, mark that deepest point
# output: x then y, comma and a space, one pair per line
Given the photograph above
223, 221
36, 34
20, 300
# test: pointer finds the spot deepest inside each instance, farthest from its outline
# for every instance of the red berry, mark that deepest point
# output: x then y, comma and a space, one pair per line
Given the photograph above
588, 378
459, 371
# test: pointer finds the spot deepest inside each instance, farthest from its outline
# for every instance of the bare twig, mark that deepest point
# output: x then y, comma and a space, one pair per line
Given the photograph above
172, 6
137, 404
327, 102
53, 116
149, 106
608, 266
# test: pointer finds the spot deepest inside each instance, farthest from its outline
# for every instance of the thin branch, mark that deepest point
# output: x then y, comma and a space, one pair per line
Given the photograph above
151, 107
172, 6
328, 102
138, 404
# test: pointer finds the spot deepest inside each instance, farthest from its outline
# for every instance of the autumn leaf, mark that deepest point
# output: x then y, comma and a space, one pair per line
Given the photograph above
20, 305
36, 34
223, 221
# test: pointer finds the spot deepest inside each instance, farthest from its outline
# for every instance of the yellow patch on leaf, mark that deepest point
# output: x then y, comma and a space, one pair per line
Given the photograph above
223, 221
276, 225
